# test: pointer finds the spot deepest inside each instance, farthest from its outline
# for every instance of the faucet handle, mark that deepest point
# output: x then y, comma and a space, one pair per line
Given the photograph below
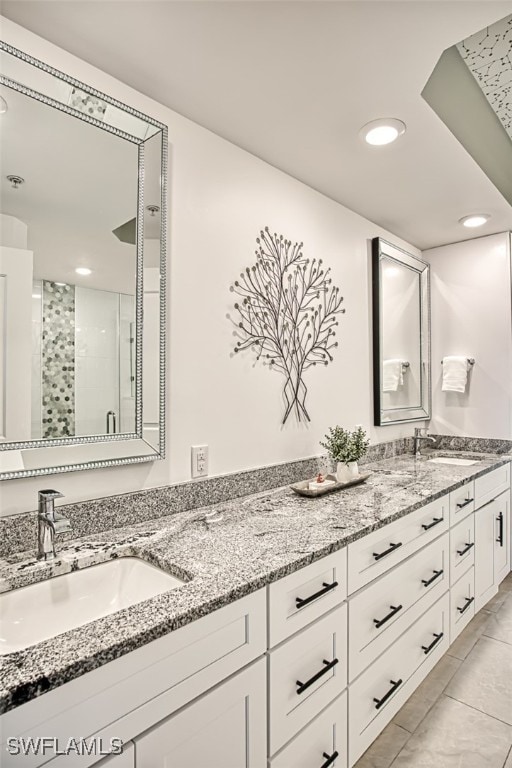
47, 494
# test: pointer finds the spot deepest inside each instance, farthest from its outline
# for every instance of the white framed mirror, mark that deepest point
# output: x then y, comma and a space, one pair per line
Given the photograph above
83, 201
401, 335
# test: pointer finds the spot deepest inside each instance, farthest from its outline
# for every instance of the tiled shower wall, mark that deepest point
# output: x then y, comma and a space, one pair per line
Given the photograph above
58, 360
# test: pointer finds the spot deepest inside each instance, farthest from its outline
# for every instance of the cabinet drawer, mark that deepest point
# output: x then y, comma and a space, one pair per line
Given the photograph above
305, 674
305, 595
319, 740
403, 594
462, 547
492, 484
462, 502
462, 603
376, 553
377, 695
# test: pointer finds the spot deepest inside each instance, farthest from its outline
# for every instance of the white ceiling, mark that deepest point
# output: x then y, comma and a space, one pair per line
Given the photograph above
293, 82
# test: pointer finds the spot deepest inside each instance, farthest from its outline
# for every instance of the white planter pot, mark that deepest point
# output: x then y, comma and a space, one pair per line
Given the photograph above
346, 472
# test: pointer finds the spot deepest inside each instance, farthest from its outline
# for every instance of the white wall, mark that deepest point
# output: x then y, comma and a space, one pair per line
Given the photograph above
220, 198
471, 315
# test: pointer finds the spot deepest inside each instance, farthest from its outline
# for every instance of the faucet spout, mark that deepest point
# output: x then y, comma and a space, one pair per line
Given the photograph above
49, 524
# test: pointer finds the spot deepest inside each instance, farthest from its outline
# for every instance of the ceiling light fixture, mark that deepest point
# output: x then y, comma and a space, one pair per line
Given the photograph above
3, 106
475, 220
382, 131
83, 271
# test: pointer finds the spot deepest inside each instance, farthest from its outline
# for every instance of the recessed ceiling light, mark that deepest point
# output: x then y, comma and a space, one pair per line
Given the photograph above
3, 106
382, 131
83, 271
475, 220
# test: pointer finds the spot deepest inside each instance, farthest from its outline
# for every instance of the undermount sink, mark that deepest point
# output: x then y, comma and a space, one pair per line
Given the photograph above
454, 461
46, 609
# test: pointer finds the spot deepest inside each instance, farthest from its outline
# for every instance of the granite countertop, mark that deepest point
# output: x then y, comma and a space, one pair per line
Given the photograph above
250, 542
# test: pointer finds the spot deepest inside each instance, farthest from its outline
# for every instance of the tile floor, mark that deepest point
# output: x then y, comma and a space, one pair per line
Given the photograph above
461, 715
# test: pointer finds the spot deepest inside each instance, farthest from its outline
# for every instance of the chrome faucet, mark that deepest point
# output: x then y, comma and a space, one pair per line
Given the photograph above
49, 524
418, 437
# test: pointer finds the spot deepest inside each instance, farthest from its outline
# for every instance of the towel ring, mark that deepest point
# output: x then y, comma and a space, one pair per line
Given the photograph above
471, 361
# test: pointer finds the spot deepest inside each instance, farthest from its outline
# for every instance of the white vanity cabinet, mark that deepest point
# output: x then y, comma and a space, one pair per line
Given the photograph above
225, 728
125, 760
492, 539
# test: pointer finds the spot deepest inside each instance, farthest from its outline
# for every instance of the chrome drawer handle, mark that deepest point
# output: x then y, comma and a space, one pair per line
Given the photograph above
467, 547
394, 610
435, 521
428, 582
466, 605
301, 602
500, 535
464, 503
330, 759
433, 644
392, 547
394, 686
328, 666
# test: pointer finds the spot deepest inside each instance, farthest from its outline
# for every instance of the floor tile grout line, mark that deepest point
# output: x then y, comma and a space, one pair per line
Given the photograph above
493, 717
434, 703
497, 639
507, 757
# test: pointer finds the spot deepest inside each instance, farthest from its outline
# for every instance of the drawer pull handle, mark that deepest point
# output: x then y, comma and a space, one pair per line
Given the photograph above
433, 644
301, 602
500, 535
394, 686
467, 547
394, 610
328, 666
464, 503
329, 759
466, 605
392, 547
428, 582
435, 521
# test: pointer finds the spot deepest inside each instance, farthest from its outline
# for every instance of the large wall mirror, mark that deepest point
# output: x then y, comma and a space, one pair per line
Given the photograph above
82, 275
401, 335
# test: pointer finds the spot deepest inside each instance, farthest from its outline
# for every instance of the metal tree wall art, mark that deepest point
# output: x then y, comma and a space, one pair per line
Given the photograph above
287, 314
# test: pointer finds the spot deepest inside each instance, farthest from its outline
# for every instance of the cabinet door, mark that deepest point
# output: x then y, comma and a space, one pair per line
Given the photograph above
125, 760
502, 538
486, 527
223, 729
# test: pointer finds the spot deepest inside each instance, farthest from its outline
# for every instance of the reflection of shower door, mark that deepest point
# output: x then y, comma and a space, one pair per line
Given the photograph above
15, 343
104, 398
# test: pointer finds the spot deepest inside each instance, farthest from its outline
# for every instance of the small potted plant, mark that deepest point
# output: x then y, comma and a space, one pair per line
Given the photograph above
346, 448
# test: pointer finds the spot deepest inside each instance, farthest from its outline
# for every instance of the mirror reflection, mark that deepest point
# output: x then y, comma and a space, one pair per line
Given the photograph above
401, 335
68, 256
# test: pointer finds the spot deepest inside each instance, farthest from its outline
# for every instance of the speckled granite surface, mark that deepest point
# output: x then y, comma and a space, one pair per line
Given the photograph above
18, 532
256, 540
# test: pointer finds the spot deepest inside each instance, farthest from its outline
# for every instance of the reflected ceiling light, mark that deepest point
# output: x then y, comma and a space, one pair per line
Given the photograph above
83, 271
382, 131
3, 106
36, 295
475, 220
61, 284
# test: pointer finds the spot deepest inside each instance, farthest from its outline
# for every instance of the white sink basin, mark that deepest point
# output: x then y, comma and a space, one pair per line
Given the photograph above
40, 611
454, 461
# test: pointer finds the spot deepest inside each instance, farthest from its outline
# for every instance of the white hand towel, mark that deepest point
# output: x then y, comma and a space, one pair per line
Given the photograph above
392, 375
455, 373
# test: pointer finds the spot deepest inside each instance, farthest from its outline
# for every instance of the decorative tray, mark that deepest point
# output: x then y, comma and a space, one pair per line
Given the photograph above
303, 489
